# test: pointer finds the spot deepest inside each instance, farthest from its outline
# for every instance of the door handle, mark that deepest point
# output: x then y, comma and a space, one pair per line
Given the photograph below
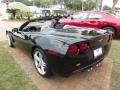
82, 21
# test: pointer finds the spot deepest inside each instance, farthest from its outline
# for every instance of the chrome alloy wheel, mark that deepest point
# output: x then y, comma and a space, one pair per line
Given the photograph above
39, 63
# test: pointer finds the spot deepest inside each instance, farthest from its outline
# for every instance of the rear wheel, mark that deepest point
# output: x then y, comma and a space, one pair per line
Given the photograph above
110, 29
41, 63
9, 40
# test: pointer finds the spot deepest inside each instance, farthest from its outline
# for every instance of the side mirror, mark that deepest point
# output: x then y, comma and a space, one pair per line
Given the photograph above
15, 30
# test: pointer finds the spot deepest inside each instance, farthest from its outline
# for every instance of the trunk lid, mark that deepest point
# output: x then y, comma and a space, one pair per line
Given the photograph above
93, 36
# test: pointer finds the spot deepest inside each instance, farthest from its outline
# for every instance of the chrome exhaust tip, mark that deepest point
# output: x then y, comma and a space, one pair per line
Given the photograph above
88, 70
99, 64
91, 68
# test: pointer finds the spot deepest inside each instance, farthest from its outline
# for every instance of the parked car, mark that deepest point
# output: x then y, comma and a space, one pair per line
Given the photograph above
50, 14
60, 50
94, 19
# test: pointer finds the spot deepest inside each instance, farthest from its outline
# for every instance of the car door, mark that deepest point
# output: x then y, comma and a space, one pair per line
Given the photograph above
79, 19
22, 39
93, 20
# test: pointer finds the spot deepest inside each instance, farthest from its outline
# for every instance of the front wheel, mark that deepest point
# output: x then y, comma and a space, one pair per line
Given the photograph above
9, 40
41, 62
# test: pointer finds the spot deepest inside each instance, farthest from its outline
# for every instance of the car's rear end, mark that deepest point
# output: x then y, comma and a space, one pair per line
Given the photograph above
83, 54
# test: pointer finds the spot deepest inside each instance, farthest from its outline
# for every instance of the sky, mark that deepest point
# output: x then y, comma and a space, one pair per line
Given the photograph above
107, 2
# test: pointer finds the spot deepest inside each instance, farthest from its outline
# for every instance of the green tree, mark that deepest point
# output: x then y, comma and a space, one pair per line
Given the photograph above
70, 4
80, 4
89, 5
107, 7
12, 12
46, 3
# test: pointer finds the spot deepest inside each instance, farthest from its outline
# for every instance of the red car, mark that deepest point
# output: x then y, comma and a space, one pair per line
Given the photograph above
94, 19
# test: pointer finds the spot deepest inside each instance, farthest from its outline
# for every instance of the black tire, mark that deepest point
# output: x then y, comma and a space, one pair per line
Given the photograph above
110, 29
41, 63
9, 40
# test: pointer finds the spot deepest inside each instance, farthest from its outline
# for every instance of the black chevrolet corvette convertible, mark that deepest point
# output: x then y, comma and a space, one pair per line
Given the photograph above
63, 50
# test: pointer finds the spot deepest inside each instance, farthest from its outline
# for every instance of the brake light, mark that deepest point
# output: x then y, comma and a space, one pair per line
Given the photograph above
73, 49
84, 47
109, 38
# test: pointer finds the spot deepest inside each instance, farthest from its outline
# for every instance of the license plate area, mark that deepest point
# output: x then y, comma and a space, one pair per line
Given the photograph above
97, 52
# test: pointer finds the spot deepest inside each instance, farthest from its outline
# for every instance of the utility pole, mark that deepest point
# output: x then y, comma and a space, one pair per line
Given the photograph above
82, 1
99, 4
114, 3
82, 5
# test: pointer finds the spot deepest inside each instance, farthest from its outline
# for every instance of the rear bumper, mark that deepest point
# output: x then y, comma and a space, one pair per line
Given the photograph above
67, 64
90, 65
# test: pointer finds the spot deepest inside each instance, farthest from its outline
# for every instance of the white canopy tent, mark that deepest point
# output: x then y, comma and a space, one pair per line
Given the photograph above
33, 9
19, 5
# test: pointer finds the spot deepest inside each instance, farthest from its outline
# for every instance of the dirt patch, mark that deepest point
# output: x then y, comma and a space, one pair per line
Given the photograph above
97, 79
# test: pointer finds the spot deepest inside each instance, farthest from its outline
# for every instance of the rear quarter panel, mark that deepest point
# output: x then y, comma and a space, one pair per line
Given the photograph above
50, 43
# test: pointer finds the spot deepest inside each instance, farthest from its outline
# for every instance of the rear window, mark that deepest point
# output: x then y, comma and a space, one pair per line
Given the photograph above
80, 15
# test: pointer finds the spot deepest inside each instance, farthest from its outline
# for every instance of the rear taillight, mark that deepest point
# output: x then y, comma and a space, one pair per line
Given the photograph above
73, 49
110, 38
83, 47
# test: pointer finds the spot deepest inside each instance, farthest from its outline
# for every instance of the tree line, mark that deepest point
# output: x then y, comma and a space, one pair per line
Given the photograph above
69, 4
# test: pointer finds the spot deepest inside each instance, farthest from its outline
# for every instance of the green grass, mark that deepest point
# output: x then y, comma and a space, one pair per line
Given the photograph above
115, 55
11, 76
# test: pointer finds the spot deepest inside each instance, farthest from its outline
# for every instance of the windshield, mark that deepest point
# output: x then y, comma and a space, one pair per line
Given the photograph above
39, 23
